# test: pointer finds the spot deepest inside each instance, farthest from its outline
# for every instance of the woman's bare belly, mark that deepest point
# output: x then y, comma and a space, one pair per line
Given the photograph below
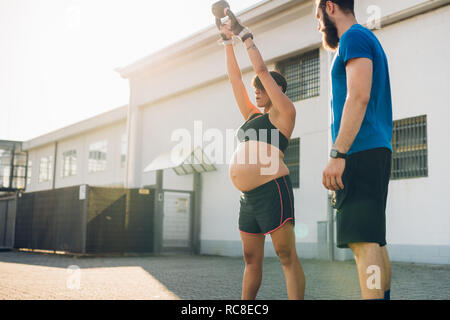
255, 163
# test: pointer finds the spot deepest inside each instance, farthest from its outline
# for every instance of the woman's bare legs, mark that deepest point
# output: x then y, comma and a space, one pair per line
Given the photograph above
283, 241
253, 246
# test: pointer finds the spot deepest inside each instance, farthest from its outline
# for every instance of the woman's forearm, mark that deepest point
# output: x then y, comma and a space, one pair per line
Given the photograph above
258, 63
234, 72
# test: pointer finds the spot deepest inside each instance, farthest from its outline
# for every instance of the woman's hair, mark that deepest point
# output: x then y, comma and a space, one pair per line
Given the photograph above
278, 77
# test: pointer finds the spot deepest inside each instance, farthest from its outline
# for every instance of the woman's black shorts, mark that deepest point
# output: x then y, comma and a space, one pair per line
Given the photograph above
267, 207
361, 206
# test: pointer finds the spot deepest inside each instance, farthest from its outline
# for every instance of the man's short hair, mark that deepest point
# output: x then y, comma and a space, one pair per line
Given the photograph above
347, 6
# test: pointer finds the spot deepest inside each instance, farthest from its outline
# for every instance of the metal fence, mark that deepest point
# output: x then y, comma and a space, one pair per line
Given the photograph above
85, 219
119, 220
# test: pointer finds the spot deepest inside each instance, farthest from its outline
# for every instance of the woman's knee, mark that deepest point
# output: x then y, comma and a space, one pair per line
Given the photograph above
286, 254
253, 259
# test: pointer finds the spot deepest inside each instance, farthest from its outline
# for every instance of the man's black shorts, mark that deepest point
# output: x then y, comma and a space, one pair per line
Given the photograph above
267, 207
361, 206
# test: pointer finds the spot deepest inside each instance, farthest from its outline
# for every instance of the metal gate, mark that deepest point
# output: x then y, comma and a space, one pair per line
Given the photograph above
177, 220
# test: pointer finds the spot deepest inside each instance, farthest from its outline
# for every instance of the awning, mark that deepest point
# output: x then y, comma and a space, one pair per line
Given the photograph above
183, 161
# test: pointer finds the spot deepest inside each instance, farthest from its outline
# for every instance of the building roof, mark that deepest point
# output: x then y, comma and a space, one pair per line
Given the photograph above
104, 119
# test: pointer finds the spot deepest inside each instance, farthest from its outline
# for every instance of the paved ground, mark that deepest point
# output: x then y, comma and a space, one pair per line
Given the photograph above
26, 275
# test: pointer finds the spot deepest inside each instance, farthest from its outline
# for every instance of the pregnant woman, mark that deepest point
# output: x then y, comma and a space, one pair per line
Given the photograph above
257, 168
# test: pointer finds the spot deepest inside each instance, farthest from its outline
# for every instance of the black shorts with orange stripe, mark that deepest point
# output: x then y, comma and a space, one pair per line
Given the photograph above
267, 207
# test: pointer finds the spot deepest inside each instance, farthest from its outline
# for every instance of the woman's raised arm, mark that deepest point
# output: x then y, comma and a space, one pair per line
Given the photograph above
235, 76
280, 102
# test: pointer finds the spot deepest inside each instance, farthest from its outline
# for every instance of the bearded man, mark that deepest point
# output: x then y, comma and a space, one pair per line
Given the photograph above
359, 169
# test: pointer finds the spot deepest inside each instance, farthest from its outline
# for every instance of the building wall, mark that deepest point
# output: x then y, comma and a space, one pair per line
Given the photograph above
34, 156
429, 241
113, 175
214, 106
418, 215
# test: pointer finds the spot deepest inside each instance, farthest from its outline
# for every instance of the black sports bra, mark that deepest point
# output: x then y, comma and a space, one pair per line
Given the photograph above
259, 128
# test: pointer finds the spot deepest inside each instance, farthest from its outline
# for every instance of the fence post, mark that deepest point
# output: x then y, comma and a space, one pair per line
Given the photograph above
158, 214
197, 212
84, 217
330, 229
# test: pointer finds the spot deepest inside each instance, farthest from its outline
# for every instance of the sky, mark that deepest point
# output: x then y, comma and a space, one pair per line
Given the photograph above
57, 57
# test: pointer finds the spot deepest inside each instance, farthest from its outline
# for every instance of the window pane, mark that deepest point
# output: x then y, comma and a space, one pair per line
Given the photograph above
69, 163
97, 156
45, 169
302, 74
409, 143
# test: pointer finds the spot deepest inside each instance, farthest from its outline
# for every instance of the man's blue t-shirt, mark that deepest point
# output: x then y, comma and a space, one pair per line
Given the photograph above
376, 128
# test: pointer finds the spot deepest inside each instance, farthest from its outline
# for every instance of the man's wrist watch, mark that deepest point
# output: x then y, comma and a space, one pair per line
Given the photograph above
337, 155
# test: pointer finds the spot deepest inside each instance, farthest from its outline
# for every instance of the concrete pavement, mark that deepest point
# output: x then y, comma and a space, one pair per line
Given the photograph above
25, 275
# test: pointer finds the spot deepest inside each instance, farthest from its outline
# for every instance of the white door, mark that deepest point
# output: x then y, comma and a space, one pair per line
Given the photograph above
177, 220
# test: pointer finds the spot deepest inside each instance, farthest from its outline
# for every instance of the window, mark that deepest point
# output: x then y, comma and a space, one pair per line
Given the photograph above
5, 166
97, 156
20, 169
409, 143
302, 75
123, 150
13, 165
45, 169
69, 163
292, 160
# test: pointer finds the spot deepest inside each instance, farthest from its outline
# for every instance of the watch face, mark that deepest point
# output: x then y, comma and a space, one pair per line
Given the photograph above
333, 153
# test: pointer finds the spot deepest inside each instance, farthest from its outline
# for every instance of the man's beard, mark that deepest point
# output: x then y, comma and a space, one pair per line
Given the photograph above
331, 37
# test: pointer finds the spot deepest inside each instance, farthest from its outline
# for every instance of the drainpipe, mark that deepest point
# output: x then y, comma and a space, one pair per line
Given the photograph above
158, 214
197, 213
11, 168
54, 165
127, 157
330, 213
133, 170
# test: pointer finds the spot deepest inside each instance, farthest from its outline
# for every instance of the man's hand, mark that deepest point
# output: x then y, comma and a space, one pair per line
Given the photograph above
332, 175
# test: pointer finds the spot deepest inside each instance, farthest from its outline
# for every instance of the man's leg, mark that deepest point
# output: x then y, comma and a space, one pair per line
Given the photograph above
372, 273
387, 270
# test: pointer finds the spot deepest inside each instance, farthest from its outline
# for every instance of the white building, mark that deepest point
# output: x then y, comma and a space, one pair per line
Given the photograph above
187, 82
